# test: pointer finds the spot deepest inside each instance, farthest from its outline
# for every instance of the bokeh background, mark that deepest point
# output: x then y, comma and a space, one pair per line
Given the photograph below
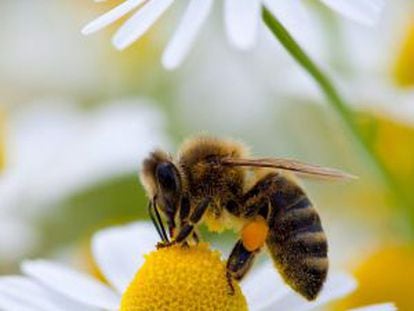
77, 117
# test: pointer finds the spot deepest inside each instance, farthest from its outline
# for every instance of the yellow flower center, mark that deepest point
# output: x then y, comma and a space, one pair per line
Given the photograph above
180, 278
387, 275
404, 67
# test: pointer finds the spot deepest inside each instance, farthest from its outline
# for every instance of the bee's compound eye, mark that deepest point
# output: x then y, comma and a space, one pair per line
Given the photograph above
167, 177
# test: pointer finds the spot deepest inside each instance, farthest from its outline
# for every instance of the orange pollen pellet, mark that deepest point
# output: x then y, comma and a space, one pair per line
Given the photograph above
254, 234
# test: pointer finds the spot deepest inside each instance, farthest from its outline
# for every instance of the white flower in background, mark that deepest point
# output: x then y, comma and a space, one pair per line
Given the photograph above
119, 254
376, 58
16, 238
55, 47
241, 19
55, 149
61, 147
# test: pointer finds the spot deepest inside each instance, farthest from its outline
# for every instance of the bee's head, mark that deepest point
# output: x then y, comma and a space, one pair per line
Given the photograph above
161, 179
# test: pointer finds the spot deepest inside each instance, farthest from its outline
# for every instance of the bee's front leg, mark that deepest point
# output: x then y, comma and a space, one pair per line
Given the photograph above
164, 244
187, 227
196, 237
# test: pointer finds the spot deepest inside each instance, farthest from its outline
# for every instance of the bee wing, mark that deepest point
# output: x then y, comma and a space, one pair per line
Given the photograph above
290, 165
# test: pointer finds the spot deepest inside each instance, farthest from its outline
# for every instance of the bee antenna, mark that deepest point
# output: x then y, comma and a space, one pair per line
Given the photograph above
156, 220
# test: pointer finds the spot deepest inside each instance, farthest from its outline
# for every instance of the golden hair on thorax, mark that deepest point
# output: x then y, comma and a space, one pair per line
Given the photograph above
215, 181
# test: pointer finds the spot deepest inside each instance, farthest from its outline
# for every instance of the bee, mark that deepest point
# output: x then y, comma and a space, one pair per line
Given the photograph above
214, 181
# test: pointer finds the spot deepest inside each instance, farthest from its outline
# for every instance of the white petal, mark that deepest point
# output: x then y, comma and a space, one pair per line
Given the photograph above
263, 286
119, 251
26, 292
190, 25
336, 286
241, 18
111, 16
72, 284
296, 19
140, 22
10, 304
363, 11
378, 307
21, 293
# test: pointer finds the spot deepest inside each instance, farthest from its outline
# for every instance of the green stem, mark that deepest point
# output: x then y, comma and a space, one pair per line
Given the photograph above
327, 86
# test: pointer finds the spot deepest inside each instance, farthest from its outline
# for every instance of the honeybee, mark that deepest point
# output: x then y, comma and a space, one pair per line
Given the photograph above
216, 182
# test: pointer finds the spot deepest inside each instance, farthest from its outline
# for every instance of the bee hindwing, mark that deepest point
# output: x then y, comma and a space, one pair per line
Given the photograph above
296, 241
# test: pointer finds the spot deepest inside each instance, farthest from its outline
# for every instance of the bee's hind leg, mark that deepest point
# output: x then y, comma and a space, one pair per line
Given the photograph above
253, 235
239, 263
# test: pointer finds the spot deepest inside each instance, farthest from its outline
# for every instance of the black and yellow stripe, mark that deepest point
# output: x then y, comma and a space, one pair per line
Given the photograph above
296, 241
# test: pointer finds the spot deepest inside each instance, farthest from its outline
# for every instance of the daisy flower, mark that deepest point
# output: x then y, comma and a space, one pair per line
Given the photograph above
82, 146
241, 20
173, 278
385, 78
373, 285
54, 142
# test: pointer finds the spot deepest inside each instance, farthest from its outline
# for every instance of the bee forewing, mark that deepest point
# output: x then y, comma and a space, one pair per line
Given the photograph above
291, 165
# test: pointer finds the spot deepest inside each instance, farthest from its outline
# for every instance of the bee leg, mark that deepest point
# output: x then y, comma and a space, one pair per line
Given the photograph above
184, 211
196, 237
156, 220
188, 226
240, 261
171, 226
230, 283
253, 235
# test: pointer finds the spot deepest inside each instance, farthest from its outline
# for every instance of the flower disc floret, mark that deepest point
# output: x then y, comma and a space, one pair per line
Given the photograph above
183, 278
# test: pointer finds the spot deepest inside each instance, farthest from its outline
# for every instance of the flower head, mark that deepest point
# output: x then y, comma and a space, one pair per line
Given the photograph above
191, 279
178, 278
53, 144
241, 20
387, 273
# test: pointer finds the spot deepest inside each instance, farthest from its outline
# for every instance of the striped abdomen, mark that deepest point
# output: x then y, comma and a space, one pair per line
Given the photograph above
296, 240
